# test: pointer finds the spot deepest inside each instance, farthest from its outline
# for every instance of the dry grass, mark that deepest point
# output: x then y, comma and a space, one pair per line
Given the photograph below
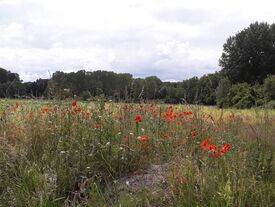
55, 154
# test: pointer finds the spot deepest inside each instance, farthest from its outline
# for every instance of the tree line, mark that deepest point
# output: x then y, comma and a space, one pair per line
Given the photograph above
246, 79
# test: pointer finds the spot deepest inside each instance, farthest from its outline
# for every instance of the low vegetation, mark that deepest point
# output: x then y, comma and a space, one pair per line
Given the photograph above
61, 153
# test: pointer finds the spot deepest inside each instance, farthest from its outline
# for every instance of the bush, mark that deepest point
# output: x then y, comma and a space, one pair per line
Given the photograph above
269, 88
85, 95
271, 104
241, 96
222, 92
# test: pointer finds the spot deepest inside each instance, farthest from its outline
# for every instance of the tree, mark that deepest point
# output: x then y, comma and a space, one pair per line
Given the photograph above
207, 85
10, 84
269, 88
222, 92
249, 56
190, 88
152, 85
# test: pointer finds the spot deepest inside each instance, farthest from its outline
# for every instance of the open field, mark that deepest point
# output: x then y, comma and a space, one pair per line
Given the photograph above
63, 153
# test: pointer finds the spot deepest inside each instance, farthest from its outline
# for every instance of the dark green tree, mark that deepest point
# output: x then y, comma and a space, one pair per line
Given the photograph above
222, 92
249, 55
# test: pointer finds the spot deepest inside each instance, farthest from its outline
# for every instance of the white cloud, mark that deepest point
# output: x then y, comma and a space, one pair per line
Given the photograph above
172, 39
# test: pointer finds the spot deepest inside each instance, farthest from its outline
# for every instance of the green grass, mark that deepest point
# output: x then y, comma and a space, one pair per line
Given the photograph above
69, 156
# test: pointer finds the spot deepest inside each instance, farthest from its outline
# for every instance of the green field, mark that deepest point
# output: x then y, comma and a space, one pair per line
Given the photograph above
64, 153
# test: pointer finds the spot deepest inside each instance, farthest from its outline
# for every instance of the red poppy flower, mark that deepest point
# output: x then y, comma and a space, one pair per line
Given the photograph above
73, 103
204, 145
77, 109
138, 118
154, 111
97, 126
212, 147
217, 154
144, 138
45, 109
194, 135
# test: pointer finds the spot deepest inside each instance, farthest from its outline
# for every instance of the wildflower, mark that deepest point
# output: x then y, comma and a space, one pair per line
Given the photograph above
169, 121
126, 139
73, 103
153, 104
212, 147
154, 111
165, 136
45, 109
138, 119
231, 116
204, 145
193, 128
217, 154
225, 148
97, 126
194, 135
88, 114
77, 109
210, 139
144, 138
17, 104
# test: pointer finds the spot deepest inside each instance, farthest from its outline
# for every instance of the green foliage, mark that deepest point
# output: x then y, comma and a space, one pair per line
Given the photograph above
241, 96
271, 104
207, 88
77, 155
248, 56
190, 90
85, 95
269, 88
222, 92
259, 94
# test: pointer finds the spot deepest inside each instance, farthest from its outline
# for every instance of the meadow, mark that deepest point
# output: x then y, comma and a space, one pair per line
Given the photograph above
70, 153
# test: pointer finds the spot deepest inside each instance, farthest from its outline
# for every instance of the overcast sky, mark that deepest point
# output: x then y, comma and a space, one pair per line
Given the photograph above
173, 39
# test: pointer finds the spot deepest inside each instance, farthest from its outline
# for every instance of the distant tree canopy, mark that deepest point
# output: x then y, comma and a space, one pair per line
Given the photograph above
249, 56
247, 79
9, 83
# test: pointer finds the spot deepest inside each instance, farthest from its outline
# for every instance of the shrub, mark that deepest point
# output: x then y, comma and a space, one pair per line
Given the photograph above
241, 96
222, 91
271, 104
269, 88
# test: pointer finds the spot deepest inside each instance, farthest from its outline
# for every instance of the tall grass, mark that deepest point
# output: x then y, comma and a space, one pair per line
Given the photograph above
59, 154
